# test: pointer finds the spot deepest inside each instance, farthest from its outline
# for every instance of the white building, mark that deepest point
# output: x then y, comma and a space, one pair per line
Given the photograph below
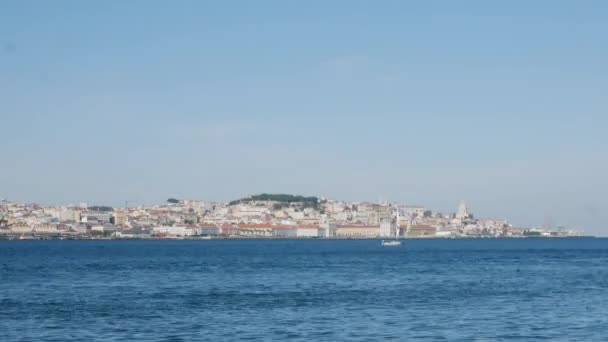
211, 230
307, 231
69, 214
327, 230
176, 231
285, 232
413, 211
387, 229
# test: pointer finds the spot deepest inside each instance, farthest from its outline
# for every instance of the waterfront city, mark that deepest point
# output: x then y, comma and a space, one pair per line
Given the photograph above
256, 216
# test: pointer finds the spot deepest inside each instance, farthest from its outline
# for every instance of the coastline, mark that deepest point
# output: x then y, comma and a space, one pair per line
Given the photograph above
20, 237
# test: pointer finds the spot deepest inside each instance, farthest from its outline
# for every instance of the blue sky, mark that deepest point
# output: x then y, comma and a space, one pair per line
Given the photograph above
501, 104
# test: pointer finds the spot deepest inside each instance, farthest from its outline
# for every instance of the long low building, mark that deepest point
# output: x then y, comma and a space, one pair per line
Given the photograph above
361, 231
283, 231
255, 230
210, 230
176, 231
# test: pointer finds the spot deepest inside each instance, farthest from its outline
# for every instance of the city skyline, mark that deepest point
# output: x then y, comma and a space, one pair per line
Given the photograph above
259, 216
548, 223
502, 105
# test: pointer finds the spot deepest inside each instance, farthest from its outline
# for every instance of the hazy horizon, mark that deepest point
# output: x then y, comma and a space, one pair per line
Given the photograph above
502, 105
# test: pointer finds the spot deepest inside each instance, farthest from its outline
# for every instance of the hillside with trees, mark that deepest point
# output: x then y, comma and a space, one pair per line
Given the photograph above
101, 208
306, 201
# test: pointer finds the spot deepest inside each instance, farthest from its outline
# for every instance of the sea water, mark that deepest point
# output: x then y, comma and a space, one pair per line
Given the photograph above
304, 290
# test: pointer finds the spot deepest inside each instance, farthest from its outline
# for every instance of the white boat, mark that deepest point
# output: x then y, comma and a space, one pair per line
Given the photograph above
391, 243
396, 241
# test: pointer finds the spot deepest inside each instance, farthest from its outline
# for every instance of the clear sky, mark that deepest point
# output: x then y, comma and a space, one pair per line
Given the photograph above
503, 104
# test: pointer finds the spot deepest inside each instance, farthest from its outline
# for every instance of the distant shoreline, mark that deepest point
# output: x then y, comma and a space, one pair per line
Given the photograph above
63, 238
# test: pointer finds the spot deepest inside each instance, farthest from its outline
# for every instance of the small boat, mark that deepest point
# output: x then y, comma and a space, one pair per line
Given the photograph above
395, 242
391, 243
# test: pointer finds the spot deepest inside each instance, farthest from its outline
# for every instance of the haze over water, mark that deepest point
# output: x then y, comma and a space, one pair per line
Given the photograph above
314, 290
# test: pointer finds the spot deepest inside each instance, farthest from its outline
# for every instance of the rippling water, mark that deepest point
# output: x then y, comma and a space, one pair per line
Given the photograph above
317, 290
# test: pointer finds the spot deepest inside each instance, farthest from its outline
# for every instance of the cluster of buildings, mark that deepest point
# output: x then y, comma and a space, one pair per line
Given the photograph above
253, 219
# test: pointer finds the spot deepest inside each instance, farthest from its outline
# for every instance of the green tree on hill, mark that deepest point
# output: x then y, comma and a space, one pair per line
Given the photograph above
307, 202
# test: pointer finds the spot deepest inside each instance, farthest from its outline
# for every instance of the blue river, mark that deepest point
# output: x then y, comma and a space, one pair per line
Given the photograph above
305, 290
